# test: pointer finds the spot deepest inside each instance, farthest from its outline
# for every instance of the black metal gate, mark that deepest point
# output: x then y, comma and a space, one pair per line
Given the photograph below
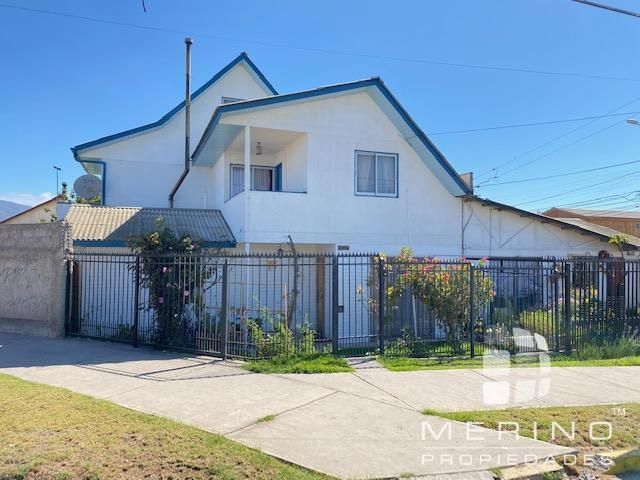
267, 305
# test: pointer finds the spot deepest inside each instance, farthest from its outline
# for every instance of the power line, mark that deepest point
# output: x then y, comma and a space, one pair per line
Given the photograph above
533, 124
566, 145
608, 7
554, 139
628, 206
612, 202
540, 157
605, 200
559, 174
561, 194
322, 50
567, 183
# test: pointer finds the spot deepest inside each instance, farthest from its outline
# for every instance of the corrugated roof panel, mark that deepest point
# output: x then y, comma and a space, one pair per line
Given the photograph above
117, 224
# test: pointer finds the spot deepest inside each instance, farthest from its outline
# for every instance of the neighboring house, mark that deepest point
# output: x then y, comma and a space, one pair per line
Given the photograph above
41, 213
338, 168
623, 221
602, 230
10, 209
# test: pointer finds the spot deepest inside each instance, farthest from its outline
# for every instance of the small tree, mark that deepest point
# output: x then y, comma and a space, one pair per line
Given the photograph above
172, 268
446, 289
619, 240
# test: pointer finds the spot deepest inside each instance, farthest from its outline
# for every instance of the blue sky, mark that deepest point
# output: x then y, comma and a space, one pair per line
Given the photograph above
66, 80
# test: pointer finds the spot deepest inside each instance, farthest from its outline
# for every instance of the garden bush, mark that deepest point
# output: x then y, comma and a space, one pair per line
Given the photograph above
606, 347
173, 270
444, 288
280, 341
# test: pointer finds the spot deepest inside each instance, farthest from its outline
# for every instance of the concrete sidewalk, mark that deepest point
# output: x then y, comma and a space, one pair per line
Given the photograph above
365, 424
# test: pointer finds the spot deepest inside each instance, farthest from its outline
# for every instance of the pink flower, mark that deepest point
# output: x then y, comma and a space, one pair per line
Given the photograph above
160, 300
186, 293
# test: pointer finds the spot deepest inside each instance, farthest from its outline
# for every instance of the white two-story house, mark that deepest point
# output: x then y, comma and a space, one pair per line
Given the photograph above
337, 168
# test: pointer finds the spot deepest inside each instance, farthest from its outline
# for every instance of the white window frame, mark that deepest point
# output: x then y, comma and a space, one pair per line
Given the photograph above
375, 193
252, 184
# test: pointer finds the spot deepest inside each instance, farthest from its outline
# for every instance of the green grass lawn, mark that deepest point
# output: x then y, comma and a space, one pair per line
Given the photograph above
404, 364
625, 424
299, 364
52, 433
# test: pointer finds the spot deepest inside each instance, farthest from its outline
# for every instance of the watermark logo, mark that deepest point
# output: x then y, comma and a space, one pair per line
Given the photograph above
505, 385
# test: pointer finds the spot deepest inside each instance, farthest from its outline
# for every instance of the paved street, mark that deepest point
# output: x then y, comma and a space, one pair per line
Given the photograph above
365, 424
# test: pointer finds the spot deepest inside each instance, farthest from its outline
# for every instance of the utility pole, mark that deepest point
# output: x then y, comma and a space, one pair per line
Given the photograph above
57, 169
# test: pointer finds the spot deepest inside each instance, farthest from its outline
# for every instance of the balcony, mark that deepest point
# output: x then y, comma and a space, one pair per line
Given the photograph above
276, 203
277, 161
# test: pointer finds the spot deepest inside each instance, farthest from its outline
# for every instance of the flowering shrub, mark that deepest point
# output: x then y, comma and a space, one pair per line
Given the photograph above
445, 288
171, 268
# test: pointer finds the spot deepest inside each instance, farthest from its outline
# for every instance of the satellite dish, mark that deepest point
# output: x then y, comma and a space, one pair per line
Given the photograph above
88, 186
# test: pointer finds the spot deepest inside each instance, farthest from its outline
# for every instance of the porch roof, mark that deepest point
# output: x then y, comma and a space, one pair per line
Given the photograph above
100, 226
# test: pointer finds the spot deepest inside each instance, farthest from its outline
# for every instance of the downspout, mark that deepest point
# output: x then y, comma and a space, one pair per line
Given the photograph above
187, 125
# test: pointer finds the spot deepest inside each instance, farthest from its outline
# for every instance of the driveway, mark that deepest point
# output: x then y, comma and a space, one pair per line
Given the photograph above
365, 424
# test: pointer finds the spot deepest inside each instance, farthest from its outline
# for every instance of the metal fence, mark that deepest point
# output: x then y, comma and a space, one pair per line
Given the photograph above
258, 306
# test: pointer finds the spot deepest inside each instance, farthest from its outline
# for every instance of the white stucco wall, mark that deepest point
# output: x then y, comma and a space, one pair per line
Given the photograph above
493, 232
39, 214
424, 216
295, 170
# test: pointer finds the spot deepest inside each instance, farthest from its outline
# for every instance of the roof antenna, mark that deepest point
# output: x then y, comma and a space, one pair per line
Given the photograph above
144, 7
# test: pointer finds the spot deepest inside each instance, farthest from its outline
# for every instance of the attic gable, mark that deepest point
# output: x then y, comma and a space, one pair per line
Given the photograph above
241, 61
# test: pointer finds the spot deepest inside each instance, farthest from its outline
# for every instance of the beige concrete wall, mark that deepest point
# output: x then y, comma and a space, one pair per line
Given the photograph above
39, 214
32, 279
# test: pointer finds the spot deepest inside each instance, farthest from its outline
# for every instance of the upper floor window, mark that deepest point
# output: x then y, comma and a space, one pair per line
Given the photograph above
376, 174
265, 179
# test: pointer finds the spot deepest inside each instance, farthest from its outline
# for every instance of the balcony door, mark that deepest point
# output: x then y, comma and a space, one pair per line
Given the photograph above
262, 179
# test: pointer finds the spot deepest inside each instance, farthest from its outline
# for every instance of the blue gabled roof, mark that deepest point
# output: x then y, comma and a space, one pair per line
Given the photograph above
375, 83
243, 57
